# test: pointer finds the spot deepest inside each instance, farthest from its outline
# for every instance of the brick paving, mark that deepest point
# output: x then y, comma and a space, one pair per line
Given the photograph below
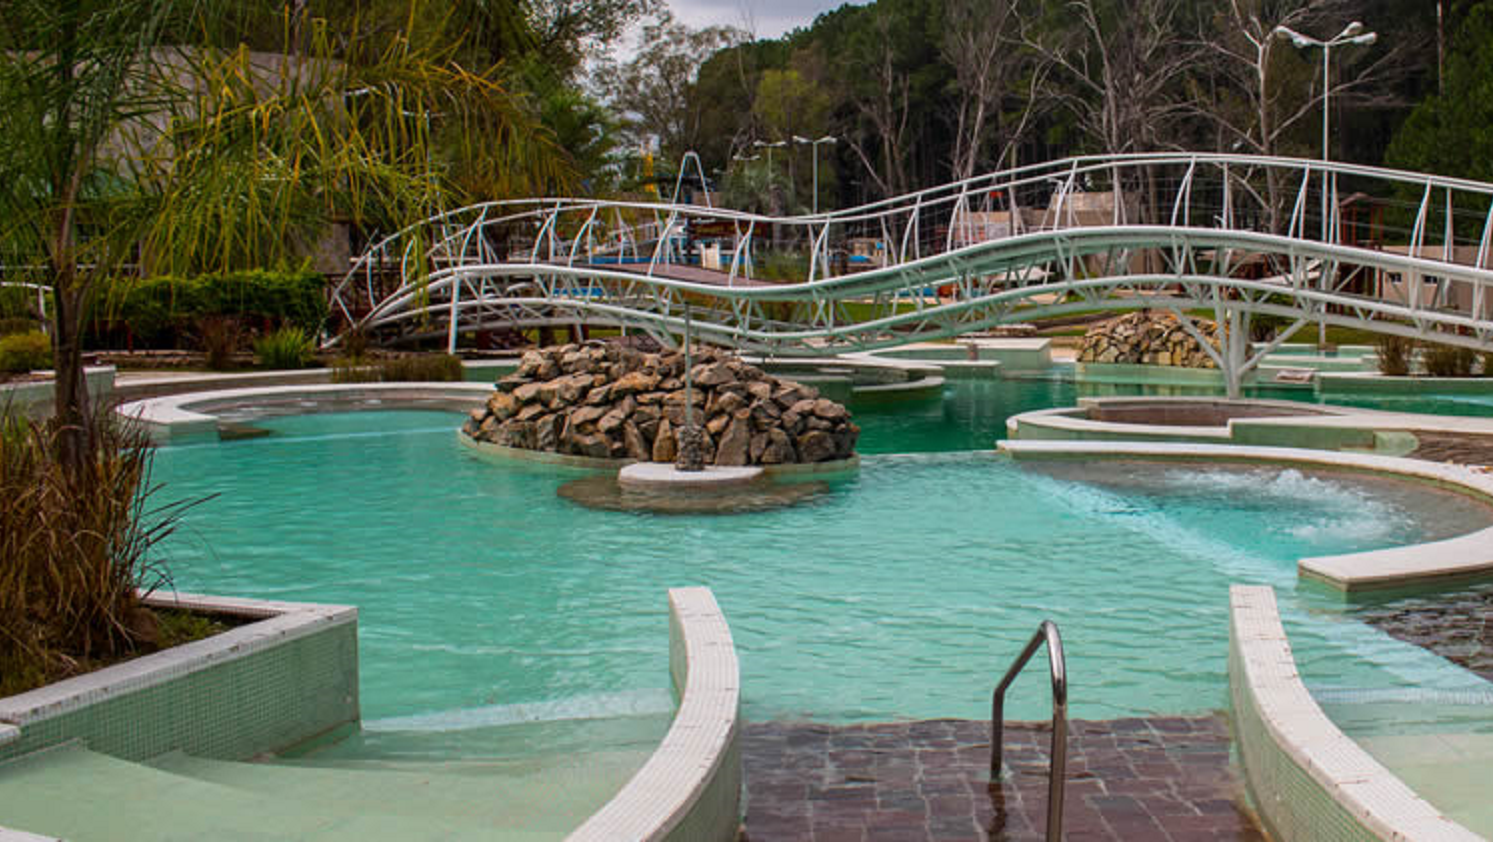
1457, 626
1457, 448
1163, 779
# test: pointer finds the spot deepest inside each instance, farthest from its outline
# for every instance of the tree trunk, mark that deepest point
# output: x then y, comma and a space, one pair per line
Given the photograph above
72, 416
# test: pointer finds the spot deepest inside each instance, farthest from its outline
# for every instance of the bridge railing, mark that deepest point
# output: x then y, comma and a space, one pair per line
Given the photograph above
569, 248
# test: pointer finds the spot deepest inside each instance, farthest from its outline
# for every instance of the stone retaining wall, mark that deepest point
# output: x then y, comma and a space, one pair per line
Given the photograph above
1149, 337
609, 402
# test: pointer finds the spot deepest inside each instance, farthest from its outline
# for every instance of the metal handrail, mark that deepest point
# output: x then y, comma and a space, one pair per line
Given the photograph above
1047, 632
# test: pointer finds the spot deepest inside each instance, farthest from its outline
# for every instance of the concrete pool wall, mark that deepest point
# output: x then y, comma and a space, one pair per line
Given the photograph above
1247, 422
690, 789
1305, 777
195, 413
292, 675
288, 675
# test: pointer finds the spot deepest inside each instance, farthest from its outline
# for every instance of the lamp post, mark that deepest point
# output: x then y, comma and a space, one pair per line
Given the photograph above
769, 147
815, 145
1352, 34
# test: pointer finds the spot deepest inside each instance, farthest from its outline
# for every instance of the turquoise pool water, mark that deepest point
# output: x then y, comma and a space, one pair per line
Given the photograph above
973, 414
901, 592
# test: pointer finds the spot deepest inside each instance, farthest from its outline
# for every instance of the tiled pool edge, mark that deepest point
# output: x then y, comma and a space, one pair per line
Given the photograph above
190, 413
1452, 560
1306, 778
286, 677
690, 789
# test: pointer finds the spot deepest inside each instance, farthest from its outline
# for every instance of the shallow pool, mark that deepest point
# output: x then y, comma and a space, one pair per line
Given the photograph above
902, 592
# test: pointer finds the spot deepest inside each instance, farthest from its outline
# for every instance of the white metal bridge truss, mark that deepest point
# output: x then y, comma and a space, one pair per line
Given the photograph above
1236, 236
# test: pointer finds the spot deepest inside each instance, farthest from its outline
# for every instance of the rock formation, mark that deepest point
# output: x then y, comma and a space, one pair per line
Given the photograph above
611, 402
1149, 337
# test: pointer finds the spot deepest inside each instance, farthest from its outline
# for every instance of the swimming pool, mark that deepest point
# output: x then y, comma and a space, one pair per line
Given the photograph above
899, 593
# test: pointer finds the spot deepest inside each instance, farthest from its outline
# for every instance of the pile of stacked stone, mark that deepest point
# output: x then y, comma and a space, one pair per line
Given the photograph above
606, 401
1148, 337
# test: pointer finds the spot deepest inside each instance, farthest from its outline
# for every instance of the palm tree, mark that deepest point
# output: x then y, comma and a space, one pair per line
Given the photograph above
125, 146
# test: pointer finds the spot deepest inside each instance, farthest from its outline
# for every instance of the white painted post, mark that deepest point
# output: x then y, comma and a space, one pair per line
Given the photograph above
455, 304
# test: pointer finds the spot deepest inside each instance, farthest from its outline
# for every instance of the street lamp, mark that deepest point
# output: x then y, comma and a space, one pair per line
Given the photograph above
1352, 34
769, 147
815, 144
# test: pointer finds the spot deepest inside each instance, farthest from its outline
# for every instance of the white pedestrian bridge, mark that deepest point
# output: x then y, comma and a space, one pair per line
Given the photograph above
1233, 237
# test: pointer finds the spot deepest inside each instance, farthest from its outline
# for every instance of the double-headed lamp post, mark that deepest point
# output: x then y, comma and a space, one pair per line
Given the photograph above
1352, 34
762, 144
815, 144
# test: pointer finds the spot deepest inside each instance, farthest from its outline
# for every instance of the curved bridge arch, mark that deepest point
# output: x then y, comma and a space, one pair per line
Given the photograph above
1393, 252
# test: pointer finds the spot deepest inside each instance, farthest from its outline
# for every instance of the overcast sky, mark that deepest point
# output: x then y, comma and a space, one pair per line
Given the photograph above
763, 18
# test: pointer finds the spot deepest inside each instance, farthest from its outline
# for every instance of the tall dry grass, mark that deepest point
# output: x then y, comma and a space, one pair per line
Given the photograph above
75, 551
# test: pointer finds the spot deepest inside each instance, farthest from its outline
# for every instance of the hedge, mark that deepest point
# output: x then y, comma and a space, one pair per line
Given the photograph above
23, 352
157, 309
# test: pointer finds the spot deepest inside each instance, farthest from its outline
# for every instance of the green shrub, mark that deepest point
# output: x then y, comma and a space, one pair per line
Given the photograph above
442, 368
158, 310
22, 352
1488, 364
288, 347
1449, 361
1395, 354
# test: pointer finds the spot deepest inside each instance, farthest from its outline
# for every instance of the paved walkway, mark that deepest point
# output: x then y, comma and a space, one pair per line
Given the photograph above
1457, 448
1164, 779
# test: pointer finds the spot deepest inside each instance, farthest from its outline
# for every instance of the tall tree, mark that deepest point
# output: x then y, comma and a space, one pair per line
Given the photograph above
885, 54
1120, 66
656, 88
981, 42
122, 143
73, 75
1452, 133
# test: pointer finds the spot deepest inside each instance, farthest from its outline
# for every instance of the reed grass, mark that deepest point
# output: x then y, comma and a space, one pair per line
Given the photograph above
1395, 355
288, 347
1449, 361
76, 551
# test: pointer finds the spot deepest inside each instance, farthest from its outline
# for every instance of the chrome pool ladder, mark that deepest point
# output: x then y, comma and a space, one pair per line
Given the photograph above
1057, 774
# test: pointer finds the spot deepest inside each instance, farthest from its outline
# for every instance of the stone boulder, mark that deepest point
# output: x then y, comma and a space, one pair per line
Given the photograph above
1148, 337
606, 400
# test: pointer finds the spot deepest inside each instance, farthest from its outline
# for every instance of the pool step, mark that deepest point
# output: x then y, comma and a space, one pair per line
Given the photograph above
524, 740
84, 796
539, 794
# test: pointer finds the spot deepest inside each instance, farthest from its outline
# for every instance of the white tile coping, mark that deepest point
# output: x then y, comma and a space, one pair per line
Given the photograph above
191, 412
1305, 415
1463, 556
23, 836
663, 475
699, 744
279, 622
1370, 793
1075, 419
